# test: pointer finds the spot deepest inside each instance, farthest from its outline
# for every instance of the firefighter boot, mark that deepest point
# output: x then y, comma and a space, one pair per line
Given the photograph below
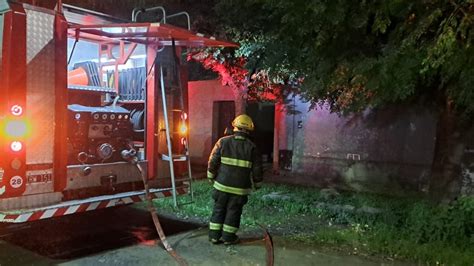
215, 232
229, 235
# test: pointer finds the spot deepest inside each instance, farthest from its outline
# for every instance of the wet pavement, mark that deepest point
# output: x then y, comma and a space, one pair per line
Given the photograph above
70, 237
125, 236
196, 250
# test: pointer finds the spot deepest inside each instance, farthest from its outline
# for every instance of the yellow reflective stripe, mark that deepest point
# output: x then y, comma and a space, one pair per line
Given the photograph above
232, 190
210, 175
236, 162
214, 226
230, 229
239, 137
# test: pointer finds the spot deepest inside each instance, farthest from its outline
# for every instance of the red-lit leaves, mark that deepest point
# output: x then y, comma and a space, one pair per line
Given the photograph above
260, 86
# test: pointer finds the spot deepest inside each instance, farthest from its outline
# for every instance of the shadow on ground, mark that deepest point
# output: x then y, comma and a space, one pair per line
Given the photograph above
82, 235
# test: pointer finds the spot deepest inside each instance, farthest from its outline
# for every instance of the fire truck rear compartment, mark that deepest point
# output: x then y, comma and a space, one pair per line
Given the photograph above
101, 137
89, 86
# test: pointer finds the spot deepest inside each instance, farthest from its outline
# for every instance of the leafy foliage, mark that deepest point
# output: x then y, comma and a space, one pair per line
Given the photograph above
363, 53
231, 69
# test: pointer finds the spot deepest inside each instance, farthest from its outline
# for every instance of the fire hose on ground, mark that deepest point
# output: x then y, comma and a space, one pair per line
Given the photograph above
156, 221
268, 246
267, 237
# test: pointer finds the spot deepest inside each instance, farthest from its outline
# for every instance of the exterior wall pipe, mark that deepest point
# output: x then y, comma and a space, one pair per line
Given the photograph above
276, 136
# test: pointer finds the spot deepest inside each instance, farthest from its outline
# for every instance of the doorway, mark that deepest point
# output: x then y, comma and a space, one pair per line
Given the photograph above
223, 112
263, 116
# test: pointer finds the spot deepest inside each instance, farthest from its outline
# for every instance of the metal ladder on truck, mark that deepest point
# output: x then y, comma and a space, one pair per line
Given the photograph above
171, 157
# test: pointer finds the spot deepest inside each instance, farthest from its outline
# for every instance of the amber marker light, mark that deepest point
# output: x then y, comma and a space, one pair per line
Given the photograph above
183, 129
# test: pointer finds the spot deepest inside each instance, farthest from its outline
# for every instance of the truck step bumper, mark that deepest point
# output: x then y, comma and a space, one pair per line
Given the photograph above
83, 205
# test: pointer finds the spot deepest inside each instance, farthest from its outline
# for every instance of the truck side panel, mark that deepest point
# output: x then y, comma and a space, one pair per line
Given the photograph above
40, 101
29, 79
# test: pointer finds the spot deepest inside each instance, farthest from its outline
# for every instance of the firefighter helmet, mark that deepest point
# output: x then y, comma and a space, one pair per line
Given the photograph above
243, 122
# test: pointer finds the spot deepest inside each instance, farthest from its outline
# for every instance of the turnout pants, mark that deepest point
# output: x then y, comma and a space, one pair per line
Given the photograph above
225, 219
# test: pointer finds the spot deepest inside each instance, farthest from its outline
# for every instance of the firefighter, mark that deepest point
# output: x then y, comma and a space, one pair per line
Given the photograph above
234, 165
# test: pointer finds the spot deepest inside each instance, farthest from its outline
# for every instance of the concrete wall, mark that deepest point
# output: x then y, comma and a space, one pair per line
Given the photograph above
202, 95
385, 150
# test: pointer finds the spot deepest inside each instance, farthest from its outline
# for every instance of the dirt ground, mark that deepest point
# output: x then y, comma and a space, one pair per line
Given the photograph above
196, 250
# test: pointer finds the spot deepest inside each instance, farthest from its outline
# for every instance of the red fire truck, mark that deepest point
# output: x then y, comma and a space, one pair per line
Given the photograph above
85, 98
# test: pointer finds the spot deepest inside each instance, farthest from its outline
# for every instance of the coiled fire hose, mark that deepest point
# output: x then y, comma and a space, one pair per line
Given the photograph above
156, 221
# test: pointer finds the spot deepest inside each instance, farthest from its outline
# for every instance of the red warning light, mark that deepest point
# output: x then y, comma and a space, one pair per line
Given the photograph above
16, 110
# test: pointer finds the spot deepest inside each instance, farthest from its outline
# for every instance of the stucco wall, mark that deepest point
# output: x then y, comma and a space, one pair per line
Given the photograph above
202, 95
377, 150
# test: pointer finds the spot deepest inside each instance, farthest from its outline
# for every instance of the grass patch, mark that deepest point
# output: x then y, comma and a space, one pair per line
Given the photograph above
408, 228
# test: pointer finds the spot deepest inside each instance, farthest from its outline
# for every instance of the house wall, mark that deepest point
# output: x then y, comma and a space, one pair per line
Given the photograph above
389, 150
202, 95
385, 150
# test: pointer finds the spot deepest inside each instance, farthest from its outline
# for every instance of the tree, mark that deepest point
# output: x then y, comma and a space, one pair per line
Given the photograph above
359, 54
